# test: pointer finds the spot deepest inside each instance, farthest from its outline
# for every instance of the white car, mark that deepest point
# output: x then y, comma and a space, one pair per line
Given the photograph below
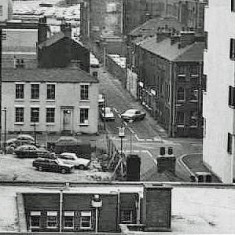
72, 159
107, 114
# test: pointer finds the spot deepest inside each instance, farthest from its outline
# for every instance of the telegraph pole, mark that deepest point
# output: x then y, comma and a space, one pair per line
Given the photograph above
1, 84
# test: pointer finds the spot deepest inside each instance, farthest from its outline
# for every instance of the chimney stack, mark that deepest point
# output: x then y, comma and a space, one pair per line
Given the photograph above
66, 29
42, 30
163, 33
187, 38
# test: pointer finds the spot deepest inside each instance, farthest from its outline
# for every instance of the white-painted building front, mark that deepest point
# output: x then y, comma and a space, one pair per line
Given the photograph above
219, 116
5, 10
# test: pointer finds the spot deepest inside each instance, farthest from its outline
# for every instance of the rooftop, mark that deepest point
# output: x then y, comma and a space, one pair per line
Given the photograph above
173, 52
60, 75
196, 209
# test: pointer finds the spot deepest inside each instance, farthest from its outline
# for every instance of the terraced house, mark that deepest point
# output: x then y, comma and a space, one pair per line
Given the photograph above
52, 100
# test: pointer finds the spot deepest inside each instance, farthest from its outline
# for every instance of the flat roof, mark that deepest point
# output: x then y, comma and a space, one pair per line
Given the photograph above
196, 209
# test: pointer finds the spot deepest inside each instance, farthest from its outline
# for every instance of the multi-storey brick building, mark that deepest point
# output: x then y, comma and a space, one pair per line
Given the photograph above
52, 100
169, 68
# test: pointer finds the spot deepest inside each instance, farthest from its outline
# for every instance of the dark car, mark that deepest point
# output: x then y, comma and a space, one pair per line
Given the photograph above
55, 165
133, 115
29, 151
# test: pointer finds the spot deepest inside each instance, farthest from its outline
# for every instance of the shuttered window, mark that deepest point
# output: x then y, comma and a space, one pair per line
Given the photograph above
232, 5
229, 143
232, 48
231, 97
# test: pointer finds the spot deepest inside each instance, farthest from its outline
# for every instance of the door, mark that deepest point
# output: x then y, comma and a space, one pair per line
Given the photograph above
67, 120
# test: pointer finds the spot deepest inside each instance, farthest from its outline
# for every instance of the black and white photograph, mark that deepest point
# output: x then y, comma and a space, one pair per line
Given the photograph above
117, 117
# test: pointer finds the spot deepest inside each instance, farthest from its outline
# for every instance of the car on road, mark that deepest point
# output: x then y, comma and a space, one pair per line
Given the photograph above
55, 165
71, 158
29, 151
107, 114
133, 115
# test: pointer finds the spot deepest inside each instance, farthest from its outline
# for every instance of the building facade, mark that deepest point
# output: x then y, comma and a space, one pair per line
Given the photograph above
50, 100
97, 209
218, 111
6, 10
170, 82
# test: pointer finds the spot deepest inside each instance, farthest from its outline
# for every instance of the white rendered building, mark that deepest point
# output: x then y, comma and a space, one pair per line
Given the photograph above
219, 98
5, 10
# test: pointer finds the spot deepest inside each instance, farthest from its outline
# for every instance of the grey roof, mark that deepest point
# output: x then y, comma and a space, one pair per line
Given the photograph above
59, 75
150, 27
50, 41
164, 49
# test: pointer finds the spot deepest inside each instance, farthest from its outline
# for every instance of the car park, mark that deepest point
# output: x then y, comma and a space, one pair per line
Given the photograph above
107, 114
133, 115
71, 158
55, 165
29, 151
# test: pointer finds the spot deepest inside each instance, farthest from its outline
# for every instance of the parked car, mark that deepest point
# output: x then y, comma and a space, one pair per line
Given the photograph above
101, 100
71, 158
133, 115
107, 114
55, 165
29, 151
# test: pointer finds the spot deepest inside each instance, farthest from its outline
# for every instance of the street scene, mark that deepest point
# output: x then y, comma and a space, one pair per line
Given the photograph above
117, 116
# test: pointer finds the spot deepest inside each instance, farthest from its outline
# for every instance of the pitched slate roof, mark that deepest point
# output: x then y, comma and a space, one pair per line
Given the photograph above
50, 41
164, 49
58, 75
150, 27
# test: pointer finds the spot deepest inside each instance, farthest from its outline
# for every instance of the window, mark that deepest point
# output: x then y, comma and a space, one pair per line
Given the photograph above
194, 70
182, 70
1, 10
232, 5
111, 7
85, 220
194, 94
84, 92
229, 143
19, 114
34, 115
19, 91
50, 115
19, 63
84, 116
231, 98
180, 118
34, 91
69, 219
193, 118
52, 219
126, 216
35, 219
232, 49
50, 91
180, 94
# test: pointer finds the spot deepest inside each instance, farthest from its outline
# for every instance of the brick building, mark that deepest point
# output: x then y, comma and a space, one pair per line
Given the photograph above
71, 211
169, 68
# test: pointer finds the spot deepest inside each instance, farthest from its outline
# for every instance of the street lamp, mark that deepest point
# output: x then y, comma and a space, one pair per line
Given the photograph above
121, 134
34, 113
96, 203
5, 129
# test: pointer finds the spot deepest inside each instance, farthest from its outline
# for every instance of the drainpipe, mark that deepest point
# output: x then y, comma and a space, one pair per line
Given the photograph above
61, 208
170, 129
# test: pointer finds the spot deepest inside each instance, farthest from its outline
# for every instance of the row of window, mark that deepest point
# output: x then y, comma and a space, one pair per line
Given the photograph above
181, 94
193, 118
85, 219
52, 221
35, 91
50, 115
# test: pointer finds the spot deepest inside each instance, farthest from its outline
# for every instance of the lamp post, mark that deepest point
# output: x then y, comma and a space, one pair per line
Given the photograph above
121, 134
34, 113
5, 129
96, 203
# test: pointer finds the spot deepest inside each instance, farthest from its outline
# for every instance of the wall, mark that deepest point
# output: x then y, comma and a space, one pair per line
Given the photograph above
219, 118
67, 94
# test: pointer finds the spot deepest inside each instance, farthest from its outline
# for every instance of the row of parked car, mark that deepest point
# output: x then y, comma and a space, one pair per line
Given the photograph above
46, 160
106, 113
